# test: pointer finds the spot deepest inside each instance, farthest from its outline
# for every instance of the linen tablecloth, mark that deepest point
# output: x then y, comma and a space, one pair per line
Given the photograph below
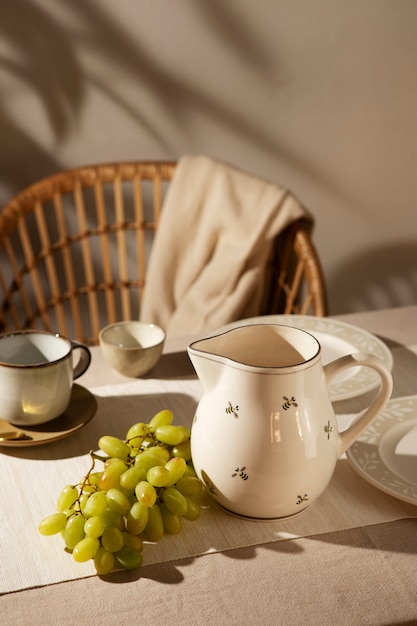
362, 575
33, 477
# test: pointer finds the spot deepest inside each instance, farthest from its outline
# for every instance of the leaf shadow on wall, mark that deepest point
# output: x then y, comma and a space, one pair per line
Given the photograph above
38, 58
50, 61
381, 277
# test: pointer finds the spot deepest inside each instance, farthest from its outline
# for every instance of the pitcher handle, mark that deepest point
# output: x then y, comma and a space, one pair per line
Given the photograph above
347, 437
84, 360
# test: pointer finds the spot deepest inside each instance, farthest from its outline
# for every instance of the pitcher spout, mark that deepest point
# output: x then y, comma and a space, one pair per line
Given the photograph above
207, 367
254, 347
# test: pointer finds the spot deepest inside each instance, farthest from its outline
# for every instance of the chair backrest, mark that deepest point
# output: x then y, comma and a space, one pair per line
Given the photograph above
294, 280
74, 247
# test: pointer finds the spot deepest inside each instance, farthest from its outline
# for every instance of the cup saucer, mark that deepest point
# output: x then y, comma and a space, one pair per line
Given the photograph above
81, 409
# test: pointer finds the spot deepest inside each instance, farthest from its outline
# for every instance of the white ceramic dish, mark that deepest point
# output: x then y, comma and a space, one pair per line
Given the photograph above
374, 454
336, 339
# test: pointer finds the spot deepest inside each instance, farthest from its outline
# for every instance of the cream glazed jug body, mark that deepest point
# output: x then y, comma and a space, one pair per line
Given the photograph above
264, 438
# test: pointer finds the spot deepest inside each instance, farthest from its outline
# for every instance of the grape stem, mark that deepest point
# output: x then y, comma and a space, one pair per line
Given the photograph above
147, 437
84, 481
95, 457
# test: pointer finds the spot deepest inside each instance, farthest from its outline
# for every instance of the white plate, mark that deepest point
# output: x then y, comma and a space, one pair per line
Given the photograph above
374, 455
336, 339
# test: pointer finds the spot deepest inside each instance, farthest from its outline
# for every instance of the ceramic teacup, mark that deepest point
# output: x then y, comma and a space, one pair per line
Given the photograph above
132, 348
36, 375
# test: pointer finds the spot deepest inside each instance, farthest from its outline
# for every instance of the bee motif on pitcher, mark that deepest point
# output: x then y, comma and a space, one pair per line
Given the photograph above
288, 402
241, 473
328, 429
232, 410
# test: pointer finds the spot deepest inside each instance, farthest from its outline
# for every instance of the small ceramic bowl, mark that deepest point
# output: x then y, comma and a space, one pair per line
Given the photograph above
132, 348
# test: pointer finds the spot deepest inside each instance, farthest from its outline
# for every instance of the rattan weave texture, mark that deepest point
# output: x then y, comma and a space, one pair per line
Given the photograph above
74, 248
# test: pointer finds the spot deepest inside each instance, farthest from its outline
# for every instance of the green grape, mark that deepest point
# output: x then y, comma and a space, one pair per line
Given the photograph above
193, 510
111, 518
111, 475
86, 549
73, 532
130, 478
132, 541
112, 539
190, 471
163, 418
112, 459
128, 558
83, 499
183, 450
175, 501
171, 435
139, 429
53, 524
137, 518
172, 522
114, 447
155, 525
158, 451
94, 526
186, 433
189, 486
117, 501
158, 476
96, 504
136, 433
146, 461
103, 561
94, 478
176, 468
66, 498
145, 493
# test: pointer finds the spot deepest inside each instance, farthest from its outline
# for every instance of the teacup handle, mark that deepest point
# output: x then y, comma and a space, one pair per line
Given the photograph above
347, 437
84, 360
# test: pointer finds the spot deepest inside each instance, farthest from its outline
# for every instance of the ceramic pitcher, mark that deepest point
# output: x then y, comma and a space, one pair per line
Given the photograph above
264, 438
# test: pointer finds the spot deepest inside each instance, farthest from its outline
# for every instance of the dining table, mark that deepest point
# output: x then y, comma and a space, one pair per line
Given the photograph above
348, 558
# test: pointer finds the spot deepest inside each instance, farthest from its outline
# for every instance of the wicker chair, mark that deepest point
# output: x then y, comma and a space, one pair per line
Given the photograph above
73, 250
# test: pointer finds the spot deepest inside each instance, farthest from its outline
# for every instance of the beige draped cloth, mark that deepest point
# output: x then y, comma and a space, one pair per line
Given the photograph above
212, 242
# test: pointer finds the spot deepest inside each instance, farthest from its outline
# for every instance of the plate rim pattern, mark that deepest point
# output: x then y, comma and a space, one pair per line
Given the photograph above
364, 455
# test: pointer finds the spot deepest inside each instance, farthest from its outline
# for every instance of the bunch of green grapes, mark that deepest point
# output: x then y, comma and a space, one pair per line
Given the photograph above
146, 487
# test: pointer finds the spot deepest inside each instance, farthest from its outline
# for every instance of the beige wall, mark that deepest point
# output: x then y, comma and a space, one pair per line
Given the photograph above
317, 95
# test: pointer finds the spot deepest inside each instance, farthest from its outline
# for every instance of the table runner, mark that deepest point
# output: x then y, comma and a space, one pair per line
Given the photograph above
31, 479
